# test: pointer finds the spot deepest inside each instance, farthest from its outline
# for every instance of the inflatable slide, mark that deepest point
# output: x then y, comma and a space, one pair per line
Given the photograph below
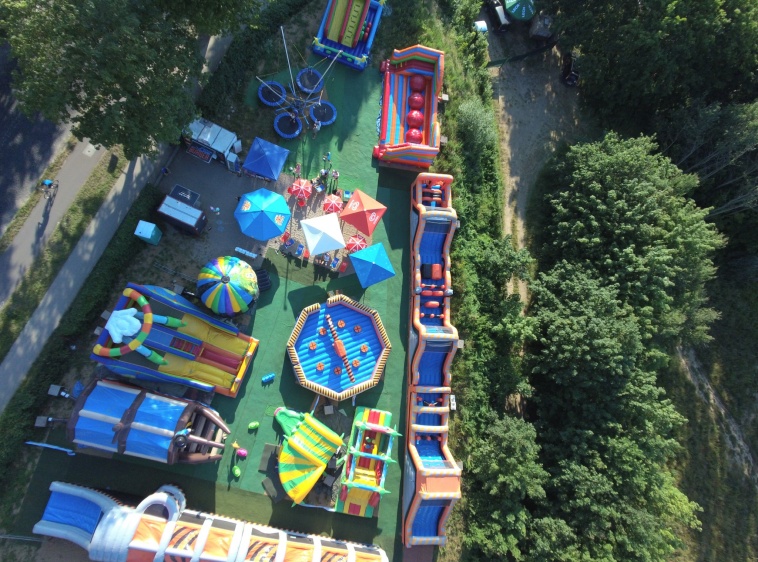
155, 334
308, 446
409, 133
365, 470
121, 418
162, 528
431, 483
347, 31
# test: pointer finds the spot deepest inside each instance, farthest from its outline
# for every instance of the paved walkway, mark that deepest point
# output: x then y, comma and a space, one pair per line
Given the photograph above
33, 237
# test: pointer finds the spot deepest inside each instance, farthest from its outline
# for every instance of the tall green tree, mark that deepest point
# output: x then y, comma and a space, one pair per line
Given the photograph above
719, 143
641, 58
503, 477
622, 211
605, 429
121, 70
489, 317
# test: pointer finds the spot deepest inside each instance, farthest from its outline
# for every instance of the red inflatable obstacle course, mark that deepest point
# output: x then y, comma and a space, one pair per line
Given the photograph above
431, 475
409, 134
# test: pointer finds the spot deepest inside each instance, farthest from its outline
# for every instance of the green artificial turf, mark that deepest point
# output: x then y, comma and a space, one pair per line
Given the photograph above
212, 487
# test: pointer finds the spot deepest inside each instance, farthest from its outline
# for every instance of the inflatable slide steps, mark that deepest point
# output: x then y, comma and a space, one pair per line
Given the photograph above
264, 281
353, 22
432, 192
208, 431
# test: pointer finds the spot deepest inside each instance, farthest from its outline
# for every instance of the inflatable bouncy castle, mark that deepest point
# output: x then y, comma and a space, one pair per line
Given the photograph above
156, 335
162, 528
432, 477
409, 133
347, 31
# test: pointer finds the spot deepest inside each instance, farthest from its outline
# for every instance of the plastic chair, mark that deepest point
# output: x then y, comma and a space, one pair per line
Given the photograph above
306, 254
285, 237
343, 266
299, 251
334, 263
301, 203
346, 195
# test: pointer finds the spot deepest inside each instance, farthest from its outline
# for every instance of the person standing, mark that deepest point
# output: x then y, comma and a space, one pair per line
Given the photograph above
316, 128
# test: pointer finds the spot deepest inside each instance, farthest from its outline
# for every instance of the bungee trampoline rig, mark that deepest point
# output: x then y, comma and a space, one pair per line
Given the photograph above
302, 104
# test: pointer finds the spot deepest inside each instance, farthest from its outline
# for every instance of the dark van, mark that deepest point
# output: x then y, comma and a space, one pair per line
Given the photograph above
499, 18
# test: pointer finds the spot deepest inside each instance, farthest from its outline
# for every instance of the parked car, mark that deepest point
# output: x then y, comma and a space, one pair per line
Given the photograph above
500, 19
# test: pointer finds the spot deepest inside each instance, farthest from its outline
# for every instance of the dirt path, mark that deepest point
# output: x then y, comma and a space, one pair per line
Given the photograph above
734, 437
536, 112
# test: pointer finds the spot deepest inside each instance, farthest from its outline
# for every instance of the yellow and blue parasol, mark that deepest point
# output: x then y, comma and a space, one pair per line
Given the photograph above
227, 285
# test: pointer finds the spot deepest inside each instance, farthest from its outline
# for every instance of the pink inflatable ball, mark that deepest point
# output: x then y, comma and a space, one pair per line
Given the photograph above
413, 136
416, 100
418, 83
242, 453
415, 118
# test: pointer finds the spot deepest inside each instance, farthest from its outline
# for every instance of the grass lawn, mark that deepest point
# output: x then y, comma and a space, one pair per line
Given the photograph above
294, 286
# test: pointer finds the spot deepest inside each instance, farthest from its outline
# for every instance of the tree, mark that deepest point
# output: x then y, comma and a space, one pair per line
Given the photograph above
503, 476
717, 142
640, 58
747, 200
605, 429
122, 71
621, 211
490, 318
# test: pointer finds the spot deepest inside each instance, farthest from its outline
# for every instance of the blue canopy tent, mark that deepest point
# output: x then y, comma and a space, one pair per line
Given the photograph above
265, 159
372, 265
262, 214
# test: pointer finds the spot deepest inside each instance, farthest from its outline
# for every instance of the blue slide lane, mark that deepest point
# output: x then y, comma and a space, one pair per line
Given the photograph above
430, 367
430, 452
72, 510
427, 518
433, 242
431, 252
428, 419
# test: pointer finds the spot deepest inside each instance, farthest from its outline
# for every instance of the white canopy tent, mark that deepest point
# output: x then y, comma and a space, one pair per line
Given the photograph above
323, 233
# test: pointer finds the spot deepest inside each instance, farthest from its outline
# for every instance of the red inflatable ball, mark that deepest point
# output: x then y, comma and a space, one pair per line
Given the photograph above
415, 118
418, 83
413, 136
416, 100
